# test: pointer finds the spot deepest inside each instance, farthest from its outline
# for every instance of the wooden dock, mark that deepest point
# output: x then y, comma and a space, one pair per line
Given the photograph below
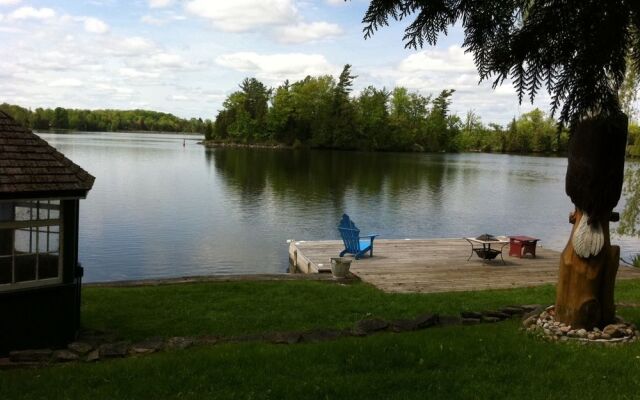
434, 265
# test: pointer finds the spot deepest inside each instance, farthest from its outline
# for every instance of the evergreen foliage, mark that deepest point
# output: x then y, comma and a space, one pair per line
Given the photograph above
575, 49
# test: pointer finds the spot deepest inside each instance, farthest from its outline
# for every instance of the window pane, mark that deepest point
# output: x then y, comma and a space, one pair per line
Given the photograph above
47, 241
25, 240
42, 239
54, 209
49, 209
43, 210
6, 212
6, 242
25, 268
26, 212
5, 270
48, 265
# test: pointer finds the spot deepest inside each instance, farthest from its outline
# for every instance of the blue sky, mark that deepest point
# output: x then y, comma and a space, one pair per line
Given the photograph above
185, 56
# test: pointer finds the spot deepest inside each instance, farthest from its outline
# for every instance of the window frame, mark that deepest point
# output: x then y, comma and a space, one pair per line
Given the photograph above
37, 223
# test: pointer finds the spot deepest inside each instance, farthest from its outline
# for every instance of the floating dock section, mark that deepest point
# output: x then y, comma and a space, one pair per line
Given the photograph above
434, 265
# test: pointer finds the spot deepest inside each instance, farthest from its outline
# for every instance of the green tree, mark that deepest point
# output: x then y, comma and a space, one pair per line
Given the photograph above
408, 113
281, 120
342, 130
60, 118
373, 118
442, 132
20, 114
536, 131
40, 119
473, 133
255, 104
312, 100
208, 130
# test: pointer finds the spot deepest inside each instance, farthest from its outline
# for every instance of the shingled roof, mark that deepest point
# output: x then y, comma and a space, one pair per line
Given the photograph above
31, 168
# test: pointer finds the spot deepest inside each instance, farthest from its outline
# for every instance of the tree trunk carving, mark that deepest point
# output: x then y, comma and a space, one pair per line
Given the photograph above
589, 264
584, 296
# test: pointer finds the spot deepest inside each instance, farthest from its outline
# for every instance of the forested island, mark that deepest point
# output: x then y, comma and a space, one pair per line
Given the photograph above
320, 112
105, 120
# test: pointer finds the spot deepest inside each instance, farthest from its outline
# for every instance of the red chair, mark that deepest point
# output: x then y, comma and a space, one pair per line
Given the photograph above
521, 245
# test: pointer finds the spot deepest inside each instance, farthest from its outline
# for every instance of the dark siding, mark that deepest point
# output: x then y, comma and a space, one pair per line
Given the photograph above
43, 317
70, 214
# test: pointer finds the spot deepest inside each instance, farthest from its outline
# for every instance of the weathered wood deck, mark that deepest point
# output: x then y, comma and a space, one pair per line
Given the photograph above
435, 265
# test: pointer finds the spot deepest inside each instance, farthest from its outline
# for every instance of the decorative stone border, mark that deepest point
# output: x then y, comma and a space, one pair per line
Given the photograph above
542, 323
93, 346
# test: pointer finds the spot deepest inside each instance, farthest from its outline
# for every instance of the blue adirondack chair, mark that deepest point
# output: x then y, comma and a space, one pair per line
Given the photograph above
353, 242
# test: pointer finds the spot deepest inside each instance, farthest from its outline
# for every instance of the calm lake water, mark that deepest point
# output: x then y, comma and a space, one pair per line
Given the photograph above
161, 209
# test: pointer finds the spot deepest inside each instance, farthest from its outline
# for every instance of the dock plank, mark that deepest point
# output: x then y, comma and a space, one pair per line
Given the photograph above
435, 265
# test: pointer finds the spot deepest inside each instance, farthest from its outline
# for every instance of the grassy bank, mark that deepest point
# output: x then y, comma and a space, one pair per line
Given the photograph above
484, 361
235, 308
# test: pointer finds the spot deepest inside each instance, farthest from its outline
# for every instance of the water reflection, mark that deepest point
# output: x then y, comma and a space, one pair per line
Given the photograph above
328, 176
400, 195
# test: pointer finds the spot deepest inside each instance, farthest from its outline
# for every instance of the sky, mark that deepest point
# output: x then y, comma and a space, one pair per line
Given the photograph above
185, 56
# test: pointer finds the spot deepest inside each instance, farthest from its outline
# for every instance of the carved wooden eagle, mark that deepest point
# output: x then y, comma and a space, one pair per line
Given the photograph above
594, 176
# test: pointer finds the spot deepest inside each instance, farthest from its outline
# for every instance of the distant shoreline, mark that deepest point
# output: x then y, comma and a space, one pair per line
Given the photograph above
218, 143
280, 146
66, 131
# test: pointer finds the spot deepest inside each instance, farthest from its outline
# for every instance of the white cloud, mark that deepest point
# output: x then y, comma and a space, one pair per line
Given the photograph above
159, 3
160, 21
336, 2
434, 70
32, 13
148, 19
9, 2
114, 90
130, 46
453, 59
278, 67
135, 73
66, 82
178, 97
94, 25
244, 15
307, 32
168, 60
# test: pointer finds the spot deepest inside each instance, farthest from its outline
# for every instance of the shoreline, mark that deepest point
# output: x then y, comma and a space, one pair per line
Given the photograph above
213, 278
281, 146
67, 131
216, 144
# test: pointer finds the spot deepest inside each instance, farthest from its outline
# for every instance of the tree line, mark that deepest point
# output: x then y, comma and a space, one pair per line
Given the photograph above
105, 120
320, 112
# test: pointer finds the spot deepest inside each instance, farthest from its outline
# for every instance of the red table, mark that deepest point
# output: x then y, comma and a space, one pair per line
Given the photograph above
521, 245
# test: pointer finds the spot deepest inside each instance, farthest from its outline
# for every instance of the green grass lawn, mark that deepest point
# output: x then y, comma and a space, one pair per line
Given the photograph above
483, 361
236, 308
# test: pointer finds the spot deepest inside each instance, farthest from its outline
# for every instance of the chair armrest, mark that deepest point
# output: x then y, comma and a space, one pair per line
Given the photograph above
369, 236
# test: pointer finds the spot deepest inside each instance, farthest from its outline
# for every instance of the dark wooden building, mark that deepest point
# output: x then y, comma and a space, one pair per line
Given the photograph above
39, 273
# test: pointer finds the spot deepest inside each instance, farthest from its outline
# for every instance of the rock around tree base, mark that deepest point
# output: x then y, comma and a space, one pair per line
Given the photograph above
543, 324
